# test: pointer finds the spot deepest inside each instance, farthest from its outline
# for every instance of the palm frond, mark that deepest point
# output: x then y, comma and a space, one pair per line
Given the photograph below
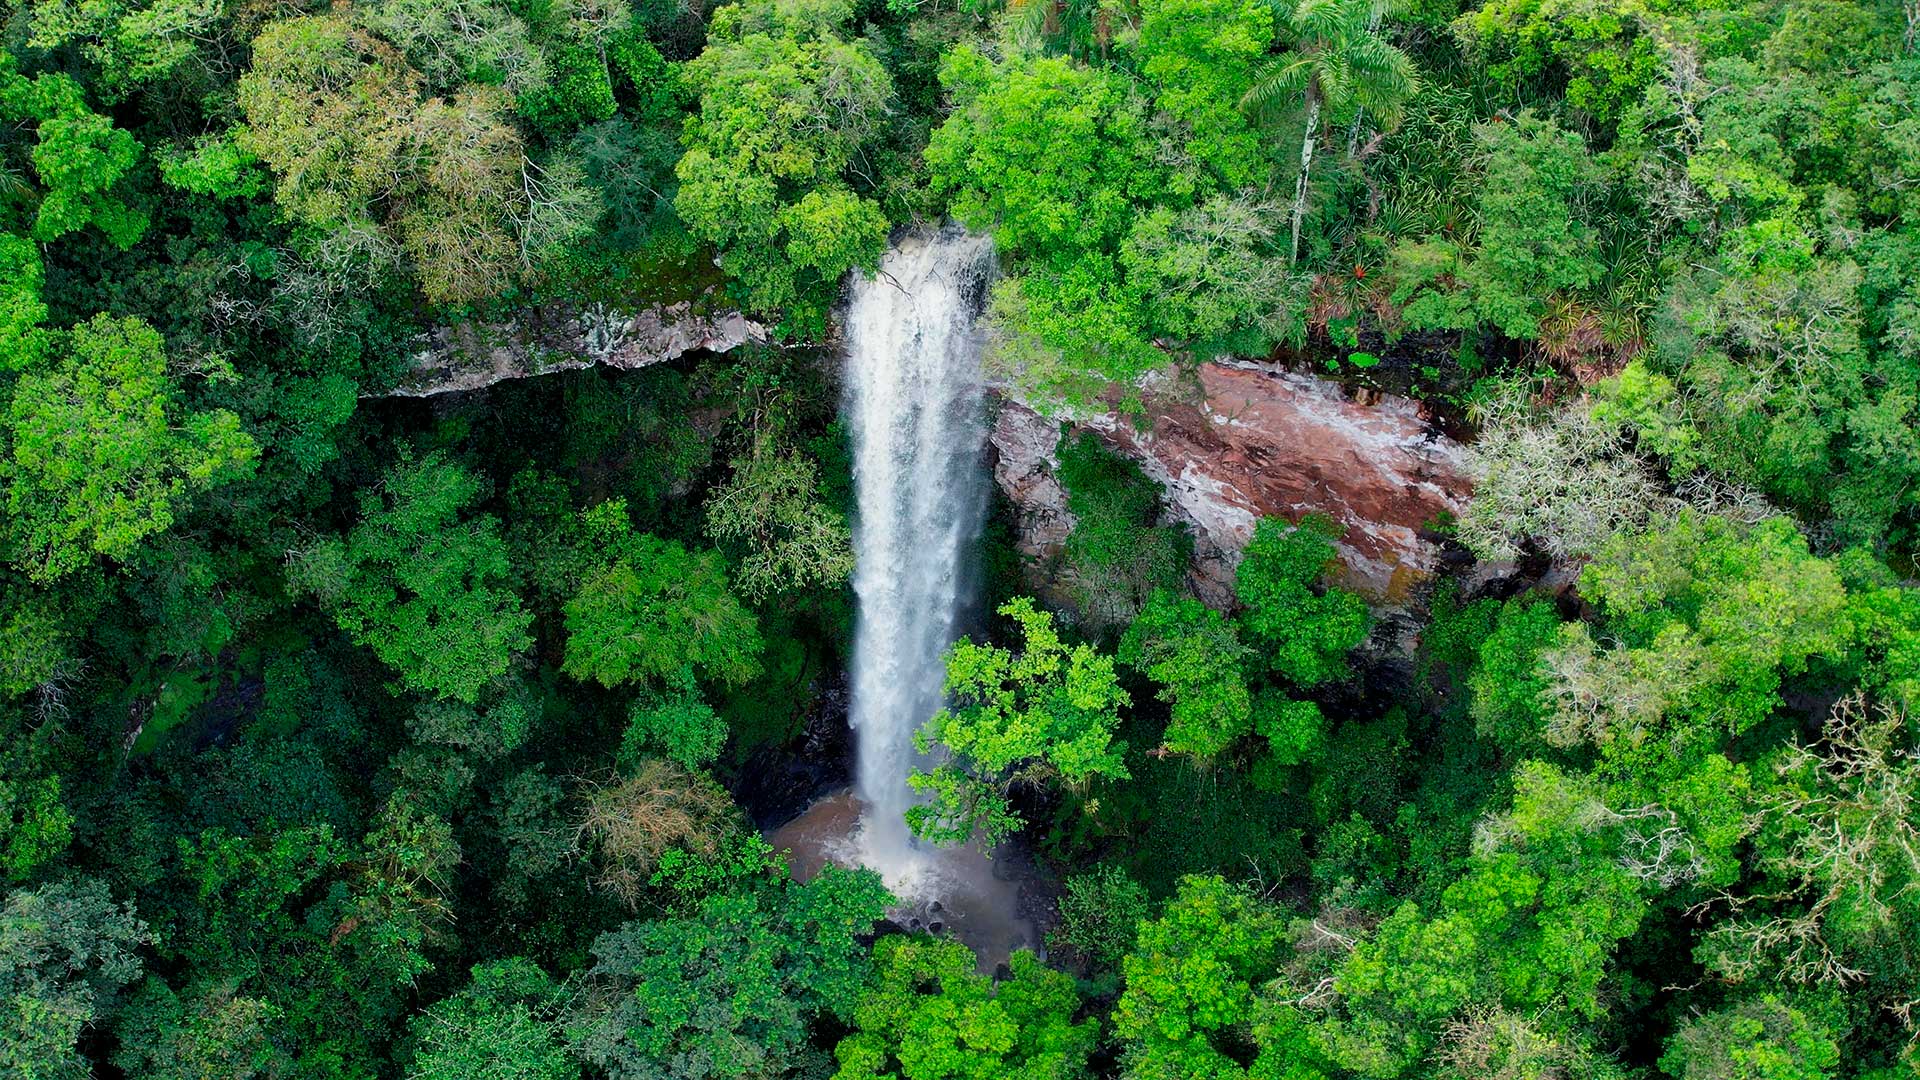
1028, 21
1336, 81
1277, 85
1322, 20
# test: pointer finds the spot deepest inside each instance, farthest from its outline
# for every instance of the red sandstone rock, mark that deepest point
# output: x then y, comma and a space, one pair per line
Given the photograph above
1261, 441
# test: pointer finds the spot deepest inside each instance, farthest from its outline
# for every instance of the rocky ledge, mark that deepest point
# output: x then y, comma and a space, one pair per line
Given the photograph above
1252, 440
563, 337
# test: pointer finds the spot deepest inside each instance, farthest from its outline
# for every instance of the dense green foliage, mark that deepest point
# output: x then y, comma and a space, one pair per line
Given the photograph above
1046, 711
347, 736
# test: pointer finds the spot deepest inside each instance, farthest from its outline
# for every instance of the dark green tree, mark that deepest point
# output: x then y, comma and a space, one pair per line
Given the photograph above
729, 990
66, 951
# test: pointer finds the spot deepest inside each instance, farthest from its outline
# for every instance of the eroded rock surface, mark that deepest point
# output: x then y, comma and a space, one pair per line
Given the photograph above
1027, 470
565, 337
1257, 440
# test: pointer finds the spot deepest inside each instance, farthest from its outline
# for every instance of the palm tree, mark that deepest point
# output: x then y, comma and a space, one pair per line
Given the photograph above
1337, 61
1078, 26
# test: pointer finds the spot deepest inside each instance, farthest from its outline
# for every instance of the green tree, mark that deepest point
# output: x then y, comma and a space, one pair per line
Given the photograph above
728, 991
1117, 554
931, 1015
211, 1030
132, 44
1337, 62
105, 453
1535, 246
501, 1026
1044, 711
786, 108
1608, 56
421, 583
1552, 887
1299, 633
1760, 1038
674, 723
1201, 57
1100, 915
1051, 157
21, 306
1195, 655
66, 950
773, 510
1767, 362
398, 902
489, 732
658, 612
1189, 1001
80, 157
249, 915
1533, 241
1708, 617
1209, 280
35, 825
377, 167
1510, 683
1045, 153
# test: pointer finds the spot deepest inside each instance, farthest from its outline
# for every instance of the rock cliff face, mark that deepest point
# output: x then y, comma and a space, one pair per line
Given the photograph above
564, 337
1250, 440
1256, 440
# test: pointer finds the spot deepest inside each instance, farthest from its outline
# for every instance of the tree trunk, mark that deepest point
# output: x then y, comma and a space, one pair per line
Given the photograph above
1353, 132
1306, 169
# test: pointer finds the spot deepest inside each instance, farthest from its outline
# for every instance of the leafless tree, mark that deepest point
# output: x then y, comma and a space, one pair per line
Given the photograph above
1846, 821
1564, 478
627, 824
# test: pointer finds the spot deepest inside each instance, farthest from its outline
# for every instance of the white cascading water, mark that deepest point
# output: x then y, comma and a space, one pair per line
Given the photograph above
914, 402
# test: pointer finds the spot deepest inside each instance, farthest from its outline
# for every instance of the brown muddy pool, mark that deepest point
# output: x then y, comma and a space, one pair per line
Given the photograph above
961, 893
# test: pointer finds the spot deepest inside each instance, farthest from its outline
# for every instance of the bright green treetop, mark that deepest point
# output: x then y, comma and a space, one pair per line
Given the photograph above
1195, 655
786, 104
81, 158
932, 1016
104, 451
1767, 1037
421, 583
1191, 980
1301, 633
658, 611
1043, 712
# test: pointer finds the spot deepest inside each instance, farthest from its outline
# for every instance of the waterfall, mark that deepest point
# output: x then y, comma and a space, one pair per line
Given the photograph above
914, 407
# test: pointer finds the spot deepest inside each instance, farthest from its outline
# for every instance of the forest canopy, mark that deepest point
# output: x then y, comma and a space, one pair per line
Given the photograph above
346, 735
